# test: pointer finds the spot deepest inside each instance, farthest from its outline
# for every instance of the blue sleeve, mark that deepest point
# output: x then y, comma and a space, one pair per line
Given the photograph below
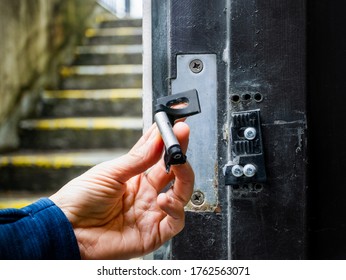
38, 231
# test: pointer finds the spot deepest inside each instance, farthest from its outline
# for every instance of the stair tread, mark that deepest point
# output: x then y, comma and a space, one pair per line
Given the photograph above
109, 49
113, 32
101, 69
111, 94
111, 19
19, 199
94, 123
106, 17
59, 159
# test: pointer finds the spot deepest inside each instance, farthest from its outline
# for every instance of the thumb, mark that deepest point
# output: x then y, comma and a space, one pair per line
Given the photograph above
144, 154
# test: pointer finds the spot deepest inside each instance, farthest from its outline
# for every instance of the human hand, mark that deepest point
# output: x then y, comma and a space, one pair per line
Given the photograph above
116, 208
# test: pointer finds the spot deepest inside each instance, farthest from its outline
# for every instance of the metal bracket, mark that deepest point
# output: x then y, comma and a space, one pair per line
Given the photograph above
166, 115
199, 71
247, 165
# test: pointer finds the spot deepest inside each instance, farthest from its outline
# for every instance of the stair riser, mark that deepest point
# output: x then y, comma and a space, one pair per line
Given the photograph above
36, 179
122, 23
102, 81
118, 40
78, 138
108, 59
89, 107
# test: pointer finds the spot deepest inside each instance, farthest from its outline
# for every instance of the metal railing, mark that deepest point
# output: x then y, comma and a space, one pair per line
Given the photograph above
123, 8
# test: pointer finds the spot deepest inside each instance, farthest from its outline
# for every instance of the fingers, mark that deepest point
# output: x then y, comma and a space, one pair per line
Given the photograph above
145, 153
174, 200
174, 222
157, 176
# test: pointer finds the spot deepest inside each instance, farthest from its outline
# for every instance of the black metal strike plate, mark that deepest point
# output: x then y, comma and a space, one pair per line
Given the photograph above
246, 149
189, 98
166, 115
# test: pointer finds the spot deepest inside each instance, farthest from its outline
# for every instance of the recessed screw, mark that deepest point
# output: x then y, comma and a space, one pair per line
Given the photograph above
196, 66
250, 133
249, 170
197, 198
237, 171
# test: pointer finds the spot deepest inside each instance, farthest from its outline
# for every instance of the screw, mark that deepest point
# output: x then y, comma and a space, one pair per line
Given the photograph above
249, 170
237, 171
196, 66
250, 133
197, 198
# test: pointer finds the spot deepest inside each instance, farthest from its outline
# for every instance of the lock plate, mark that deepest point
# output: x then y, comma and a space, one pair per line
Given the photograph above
246, 150
199, 71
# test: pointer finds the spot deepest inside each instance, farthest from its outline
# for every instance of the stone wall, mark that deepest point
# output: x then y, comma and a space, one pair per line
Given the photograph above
36, 36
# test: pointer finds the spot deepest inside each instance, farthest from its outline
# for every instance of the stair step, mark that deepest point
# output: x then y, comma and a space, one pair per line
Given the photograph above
59, 159
110, 32
48, 170
106, 102
80, 133
18, 199
113, 36
102, 76
110, 22
101, 70
111, 54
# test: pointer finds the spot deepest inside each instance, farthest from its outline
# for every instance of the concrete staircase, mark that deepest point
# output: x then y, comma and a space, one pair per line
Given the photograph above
94, 115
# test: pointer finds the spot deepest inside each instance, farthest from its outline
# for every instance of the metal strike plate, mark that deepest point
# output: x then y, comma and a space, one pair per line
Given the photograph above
166, 104
247, 165
199, 71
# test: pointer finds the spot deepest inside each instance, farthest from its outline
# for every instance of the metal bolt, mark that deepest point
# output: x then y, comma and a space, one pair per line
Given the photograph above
197, 198
249, 170
237, 171
250, 133
196, 66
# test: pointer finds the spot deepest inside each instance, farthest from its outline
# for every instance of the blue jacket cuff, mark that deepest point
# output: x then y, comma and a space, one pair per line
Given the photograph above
38, 231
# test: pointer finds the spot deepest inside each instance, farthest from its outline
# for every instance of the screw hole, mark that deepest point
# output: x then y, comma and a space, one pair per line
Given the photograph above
235, 98
235, 187
246, 96
258, 97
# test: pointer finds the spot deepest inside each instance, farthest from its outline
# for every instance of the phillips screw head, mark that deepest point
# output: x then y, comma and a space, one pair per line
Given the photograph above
237, 170
249, 170
250, 133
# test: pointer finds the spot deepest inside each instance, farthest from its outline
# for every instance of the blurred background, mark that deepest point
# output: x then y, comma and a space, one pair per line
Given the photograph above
70, 90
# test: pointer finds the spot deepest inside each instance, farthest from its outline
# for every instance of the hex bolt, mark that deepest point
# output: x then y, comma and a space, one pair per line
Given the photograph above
237, 170
250, 133
196, 66
197, 198
249, 170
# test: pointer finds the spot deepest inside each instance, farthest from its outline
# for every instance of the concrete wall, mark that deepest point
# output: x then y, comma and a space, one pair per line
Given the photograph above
35, 37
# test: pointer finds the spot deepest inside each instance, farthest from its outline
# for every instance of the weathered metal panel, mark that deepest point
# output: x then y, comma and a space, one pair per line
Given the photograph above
260, 58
